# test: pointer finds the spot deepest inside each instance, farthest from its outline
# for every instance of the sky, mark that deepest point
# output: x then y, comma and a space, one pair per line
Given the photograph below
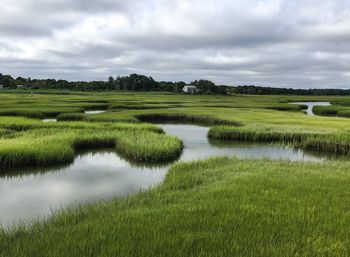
289, 43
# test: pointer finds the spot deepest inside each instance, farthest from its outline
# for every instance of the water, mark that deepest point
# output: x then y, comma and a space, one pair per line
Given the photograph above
310, 106
86, 112
95, 112
100, 175
49, 120
92, 176
197, 146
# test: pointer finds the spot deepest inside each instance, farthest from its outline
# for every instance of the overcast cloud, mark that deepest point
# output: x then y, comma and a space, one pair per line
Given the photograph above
295, 43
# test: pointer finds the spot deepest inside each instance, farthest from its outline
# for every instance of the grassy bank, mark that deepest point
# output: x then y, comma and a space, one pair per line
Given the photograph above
34, 143
338, 143
339, 111
217, 207
184, 118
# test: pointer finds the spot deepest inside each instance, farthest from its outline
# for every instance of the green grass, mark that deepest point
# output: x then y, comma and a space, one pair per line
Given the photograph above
338, 143
36, 112
340, 111
40, 144
71, 117
184, 118
217, 207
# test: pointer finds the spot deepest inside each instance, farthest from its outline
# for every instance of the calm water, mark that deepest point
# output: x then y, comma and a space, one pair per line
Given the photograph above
49, 120
100, 175
310, 106
95, 112
86, 112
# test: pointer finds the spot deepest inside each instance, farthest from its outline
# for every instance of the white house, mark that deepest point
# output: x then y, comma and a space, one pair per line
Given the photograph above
1, 87
190, 89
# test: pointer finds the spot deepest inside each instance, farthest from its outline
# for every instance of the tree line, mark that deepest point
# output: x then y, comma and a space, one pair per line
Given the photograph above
137, 82
133, 82
256, 90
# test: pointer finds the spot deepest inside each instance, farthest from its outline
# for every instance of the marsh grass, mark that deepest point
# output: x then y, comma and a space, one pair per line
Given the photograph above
340, 111
37, 112
43, 145
217, 207
142, 106
338, 143
148, 147
5, 133
184, 118
71, 117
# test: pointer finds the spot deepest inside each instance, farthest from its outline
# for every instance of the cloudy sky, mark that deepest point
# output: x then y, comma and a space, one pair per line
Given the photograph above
296, 43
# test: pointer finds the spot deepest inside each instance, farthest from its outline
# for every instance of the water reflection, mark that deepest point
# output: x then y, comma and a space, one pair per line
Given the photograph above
95, 111
98, 175
49, 120
92, 176
198, 146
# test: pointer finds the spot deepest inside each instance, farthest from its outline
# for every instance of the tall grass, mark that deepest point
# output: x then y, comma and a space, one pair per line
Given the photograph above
4, 133
331, 143
148, 147
339, 111
217, 207
39, 112
23, 124
58, 144
184, 118
141, 106
71, 117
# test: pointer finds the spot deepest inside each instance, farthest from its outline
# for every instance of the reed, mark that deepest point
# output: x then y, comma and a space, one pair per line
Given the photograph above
338, 143
216, 207
328, 110
58, 144
71, 117
339, 111
184, 118
38, 112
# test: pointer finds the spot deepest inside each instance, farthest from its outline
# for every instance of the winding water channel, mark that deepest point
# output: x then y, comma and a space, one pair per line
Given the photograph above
101, 174
311, 105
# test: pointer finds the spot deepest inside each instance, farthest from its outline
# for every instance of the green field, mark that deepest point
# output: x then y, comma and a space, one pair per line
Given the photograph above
215, 207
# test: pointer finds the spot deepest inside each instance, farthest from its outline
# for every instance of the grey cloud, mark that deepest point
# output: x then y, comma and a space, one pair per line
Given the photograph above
271, 42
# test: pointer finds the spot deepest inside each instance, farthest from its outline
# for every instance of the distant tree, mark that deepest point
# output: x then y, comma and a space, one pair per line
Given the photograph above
143, 83
205, 86
7, 81
110, 79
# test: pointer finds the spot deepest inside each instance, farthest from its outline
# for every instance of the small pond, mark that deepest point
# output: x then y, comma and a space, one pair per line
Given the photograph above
101, 174
310, 106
